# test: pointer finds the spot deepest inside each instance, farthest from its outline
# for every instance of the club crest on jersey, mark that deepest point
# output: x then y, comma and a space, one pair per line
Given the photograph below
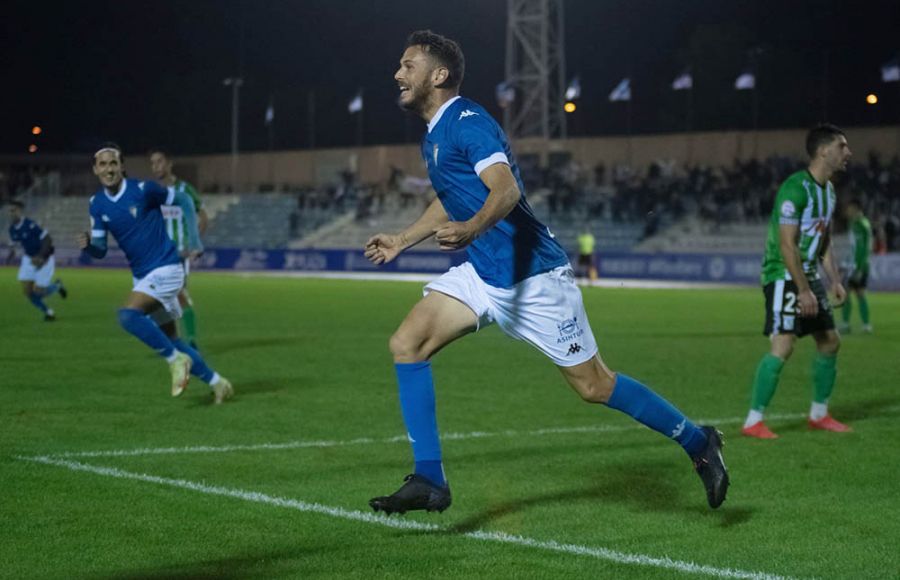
435, 153
568, 330
788, 209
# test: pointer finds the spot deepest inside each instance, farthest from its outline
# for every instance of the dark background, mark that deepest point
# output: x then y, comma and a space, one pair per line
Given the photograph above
150, 73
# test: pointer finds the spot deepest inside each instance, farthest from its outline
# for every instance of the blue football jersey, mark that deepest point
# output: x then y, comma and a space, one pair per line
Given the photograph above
134, 219
462, 141
29, 234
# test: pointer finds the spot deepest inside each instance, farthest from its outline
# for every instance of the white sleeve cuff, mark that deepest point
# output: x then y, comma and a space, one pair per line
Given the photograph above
44, 234
499, 157
98, 233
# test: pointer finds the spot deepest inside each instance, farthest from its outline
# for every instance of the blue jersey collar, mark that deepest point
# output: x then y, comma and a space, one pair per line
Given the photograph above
440, 112
19, 224
115, 198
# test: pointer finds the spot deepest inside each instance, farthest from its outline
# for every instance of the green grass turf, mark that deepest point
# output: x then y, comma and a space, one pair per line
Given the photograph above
309, 361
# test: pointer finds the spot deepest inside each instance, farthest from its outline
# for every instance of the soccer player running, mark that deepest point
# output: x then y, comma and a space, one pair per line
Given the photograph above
130, 210
161, 165
38, 265
799, 239
861, 242
517, 276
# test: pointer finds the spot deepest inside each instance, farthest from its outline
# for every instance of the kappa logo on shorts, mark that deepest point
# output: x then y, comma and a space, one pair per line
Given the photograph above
575, 348
568, 330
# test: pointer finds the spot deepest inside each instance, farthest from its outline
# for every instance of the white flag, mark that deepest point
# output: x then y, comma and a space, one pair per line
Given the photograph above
745, 82
506, 94
683, 82
574, 90
622, 92
356, 104
890, 72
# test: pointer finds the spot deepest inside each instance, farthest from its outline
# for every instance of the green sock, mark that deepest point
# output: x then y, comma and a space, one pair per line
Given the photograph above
824, 373
846, 310
766, 381
864, 309
189, 323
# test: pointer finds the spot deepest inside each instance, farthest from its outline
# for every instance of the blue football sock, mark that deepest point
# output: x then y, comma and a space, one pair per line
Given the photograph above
139, 324
417, 403
38, 302
199, 369
645, 406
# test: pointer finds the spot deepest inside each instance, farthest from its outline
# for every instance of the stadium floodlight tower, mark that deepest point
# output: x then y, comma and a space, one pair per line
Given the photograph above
535, 69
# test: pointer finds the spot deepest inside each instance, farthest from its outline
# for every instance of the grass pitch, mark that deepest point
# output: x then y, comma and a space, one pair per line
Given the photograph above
544, 485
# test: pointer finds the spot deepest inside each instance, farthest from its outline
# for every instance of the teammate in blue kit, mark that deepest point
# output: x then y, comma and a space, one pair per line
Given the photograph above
516, 275
37, 266
129, 209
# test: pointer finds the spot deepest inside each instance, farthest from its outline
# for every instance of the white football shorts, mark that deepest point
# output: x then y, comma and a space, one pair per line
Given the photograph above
545, 310
163, 284
42, 276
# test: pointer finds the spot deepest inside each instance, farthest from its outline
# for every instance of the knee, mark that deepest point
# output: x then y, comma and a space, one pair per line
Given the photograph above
128, 317
831, 345
598, 389
406, 347
783, 351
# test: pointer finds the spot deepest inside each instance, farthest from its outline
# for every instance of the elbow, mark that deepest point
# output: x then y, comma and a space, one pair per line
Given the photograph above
513, 195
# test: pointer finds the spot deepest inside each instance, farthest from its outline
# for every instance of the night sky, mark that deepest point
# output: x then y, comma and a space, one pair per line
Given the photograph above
150, 73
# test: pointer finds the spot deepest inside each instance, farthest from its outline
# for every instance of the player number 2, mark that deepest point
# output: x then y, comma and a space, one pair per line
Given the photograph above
790, 300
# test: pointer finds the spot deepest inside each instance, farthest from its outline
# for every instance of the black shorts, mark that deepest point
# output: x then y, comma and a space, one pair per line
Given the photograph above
586, 260
858, 279
782, 313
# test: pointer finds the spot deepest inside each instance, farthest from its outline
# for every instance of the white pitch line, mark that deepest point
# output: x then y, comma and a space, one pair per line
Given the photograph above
358, 516
601, 428
325, 443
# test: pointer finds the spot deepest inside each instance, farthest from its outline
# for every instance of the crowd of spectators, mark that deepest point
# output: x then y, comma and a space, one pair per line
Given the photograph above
741, 193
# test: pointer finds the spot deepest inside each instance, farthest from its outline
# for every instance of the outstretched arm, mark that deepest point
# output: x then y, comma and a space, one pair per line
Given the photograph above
382, 248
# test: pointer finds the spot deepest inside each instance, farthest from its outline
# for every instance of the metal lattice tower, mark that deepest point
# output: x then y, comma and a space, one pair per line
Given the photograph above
536, 68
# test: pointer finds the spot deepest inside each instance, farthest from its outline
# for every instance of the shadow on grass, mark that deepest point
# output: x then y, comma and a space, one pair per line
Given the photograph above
850, 412
201, 394
646, 486
249, 566
225, 345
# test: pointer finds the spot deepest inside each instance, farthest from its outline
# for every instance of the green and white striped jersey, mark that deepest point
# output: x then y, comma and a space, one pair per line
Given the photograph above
802, 202
174, 217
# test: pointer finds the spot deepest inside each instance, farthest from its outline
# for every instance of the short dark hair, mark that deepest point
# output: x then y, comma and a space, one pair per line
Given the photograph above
820, 135
17, 203
856, 202
108, 145
164, 152
445, 51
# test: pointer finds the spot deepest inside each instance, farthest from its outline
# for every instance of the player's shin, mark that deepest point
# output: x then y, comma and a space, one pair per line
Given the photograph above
199, 368
416, 389
645, 406
141, 327
189, 323
38, 301
863, 308
824, 374
765, 381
